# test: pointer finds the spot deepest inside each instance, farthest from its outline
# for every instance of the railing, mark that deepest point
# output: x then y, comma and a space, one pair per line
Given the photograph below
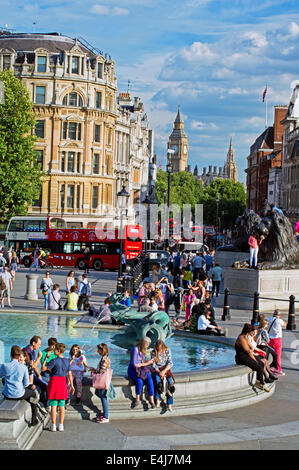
131, 279
291, 325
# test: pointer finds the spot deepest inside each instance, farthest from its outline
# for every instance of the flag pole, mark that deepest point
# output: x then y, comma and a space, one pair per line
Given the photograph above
266, 102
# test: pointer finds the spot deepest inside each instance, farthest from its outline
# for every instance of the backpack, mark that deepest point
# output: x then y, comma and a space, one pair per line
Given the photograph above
44, 287
2, 262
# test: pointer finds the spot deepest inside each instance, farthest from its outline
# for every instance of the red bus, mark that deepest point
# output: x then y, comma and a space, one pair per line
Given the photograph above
65, 246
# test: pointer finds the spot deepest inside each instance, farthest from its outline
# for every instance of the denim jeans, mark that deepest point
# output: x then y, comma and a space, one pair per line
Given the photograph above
157, 379
102, 394
139, 382
46, 297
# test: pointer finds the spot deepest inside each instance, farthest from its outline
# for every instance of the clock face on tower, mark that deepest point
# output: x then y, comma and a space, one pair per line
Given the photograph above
175, 148
185, 148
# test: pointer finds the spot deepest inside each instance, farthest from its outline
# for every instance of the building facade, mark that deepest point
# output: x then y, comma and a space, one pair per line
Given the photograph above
265, 155
178, 142
134, 149
84, 138
290, 159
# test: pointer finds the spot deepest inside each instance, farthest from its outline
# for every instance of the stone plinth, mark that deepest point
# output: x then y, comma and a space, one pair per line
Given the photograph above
31, 287
274, 287
15, 433
227, 258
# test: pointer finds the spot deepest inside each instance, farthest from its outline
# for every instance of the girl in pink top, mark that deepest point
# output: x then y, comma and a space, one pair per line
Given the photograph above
254, 243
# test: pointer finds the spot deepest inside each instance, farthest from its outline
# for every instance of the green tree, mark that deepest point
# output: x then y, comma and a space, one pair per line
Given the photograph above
184, 188
20, 175
232, 202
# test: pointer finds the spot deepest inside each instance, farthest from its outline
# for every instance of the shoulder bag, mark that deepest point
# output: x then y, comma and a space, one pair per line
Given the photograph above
102, 381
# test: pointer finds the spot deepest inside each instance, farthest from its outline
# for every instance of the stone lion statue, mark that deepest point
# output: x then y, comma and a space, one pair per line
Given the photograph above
245, 225
279, 248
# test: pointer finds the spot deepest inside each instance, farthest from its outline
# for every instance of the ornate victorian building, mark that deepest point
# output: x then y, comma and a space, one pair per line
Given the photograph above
264, 163
133, 148
85, 141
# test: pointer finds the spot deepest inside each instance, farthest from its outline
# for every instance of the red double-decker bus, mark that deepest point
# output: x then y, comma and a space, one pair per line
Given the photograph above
66, 246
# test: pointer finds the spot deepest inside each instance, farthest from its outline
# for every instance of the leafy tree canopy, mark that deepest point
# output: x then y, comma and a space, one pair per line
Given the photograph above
20, 175
185, 189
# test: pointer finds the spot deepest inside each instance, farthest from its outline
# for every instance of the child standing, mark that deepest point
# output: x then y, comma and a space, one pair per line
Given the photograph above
103, 367
78, 366
59, 369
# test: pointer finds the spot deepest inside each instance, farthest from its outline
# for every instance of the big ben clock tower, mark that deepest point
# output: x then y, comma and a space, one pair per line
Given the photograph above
178, 141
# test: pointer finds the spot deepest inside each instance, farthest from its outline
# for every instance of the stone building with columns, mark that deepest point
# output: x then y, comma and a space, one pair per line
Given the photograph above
133, 149
74, 90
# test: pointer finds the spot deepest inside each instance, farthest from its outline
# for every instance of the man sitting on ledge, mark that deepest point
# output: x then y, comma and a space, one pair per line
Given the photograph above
206, 327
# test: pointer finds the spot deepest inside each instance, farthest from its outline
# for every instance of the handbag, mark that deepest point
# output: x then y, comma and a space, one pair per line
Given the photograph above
102, 381
143, 371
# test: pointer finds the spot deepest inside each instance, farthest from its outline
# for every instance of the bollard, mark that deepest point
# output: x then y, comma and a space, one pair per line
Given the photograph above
291, 318
31, 287
256, 308
120, 285
226, 307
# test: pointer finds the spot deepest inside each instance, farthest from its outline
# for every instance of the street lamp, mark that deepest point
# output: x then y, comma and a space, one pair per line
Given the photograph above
122, 201
169, 170
217, 221
146, 203
62, 196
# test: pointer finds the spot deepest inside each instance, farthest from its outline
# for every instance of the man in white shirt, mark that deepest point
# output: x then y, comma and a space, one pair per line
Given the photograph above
205, 327
275, 325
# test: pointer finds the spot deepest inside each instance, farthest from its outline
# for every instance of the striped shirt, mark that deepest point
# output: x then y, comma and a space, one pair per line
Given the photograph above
103, 365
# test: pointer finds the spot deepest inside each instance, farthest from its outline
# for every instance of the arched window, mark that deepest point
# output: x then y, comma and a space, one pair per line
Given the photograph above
72, 99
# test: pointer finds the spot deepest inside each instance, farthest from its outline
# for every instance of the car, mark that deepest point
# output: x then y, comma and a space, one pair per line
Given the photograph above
156, 257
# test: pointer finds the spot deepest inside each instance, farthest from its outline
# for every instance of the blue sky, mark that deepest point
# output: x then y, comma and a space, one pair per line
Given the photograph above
213, 57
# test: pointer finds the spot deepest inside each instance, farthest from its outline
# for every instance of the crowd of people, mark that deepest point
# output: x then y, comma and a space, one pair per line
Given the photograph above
78, 292
48, 378
188, 282
256, 344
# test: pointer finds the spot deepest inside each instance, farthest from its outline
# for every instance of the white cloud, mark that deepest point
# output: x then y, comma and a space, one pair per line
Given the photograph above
199, 51
100, 10
118, 11
201, 126
108, 10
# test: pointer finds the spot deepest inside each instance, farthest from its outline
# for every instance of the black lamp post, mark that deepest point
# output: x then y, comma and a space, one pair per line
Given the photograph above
146, 203
217, 218
62, 195
169, 171
122, 200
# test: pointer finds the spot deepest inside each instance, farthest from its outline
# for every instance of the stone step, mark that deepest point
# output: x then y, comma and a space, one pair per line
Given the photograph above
190, 406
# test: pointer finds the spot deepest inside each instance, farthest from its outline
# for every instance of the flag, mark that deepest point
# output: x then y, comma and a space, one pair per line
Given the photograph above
264, 94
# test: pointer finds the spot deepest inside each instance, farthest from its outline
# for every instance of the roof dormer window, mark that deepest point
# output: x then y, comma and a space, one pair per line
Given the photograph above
6, 62
75, 65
